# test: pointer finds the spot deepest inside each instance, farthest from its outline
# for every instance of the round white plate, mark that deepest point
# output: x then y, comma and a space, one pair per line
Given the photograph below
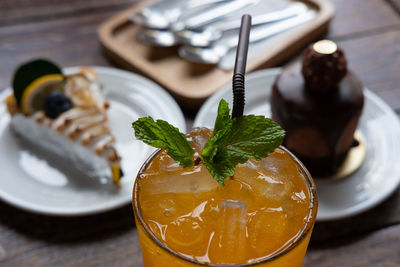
34, 181
376, 179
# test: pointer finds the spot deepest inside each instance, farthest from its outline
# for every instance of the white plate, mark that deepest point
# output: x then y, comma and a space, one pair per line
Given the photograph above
373, 182
34, 182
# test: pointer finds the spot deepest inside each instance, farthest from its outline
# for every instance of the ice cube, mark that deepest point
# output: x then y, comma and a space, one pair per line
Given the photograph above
266, 230
280, 165
229, 241
252, 164
271, 186
297, 206
199, 137
195, 180
161, 163
238, 189
169, 165
160, 209
186, 235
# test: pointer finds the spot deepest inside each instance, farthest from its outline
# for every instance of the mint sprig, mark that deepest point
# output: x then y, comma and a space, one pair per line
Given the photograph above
233, 141
161, 134
222, 125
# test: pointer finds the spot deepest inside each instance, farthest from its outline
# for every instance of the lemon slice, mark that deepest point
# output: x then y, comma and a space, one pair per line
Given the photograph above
33, 96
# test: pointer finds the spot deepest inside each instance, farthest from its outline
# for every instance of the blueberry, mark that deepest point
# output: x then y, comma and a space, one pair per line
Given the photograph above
55, 104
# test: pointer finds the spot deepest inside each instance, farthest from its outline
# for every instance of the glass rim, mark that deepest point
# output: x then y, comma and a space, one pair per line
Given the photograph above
262, 260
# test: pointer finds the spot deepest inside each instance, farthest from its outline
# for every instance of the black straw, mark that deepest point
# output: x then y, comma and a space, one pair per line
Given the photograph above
240, 67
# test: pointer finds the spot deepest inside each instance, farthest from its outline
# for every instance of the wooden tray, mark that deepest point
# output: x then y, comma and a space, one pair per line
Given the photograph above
192, 83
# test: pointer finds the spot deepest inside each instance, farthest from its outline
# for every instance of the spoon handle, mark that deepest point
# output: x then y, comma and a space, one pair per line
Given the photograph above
211, 14
200, 3
263, 32
287, 12
161, 14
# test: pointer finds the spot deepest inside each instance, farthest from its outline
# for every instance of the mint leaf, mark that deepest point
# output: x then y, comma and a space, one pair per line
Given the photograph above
235, 141
223, 119
218, 164
161, 134
252, 137
222, 126
220, 169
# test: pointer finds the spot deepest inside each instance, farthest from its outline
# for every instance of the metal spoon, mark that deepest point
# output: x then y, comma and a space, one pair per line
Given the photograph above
166, 38
156, 37
189, 21
161, 14
213, 54
207, 35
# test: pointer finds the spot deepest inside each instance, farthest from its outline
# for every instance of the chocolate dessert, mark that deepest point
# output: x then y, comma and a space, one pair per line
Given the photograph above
318, 102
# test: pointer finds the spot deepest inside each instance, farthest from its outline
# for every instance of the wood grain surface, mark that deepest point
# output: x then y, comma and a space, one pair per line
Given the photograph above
192, 83
369, 32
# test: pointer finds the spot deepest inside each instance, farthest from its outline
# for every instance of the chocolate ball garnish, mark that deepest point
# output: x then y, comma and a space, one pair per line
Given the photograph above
323, 67
318, 102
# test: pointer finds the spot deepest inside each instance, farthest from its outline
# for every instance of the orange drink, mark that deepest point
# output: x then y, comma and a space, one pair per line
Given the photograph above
262, 216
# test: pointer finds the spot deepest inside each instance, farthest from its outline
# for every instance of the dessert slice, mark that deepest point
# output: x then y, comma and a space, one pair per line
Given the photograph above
65, 115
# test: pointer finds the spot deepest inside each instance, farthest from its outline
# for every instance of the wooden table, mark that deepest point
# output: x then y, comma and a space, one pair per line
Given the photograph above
65, 31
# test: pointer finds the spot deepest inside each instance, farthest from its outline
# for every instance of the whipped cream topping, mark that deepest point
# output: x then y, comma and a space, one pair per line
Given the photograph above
89, 127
